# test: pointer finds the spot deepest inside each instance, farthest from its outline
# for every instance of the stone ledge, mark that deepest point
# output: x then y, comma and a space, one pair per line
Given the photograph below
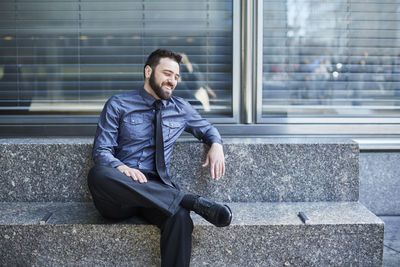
256, 213
261, 234
262, 169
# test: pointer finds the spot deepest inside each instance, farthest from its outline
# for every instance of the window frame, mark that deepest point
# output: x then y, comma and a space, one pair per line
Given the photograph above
313, 125
14, 123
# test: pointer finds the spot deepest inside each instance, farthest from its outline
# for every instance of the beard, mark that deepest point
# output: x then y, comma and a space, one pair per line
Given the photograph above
157, 89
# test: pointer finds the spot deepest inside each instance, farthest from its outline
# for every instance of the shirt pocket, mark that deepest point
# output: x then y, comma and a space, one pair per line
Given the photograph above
172, 128
136, 127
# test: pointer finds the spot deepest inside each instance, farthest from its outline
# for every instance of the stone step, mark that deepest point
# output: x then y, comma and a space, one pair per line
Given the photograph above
267, 169
261, 234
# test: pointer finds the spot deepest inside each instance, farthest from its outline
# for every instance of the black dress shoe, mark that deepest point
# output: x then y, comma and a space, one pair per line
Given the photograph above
217, 214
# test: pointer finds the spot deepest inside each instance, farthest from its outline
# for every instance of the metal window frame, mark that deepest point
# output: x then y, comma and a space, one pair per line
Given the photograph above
236, 64
248, 73
259, 61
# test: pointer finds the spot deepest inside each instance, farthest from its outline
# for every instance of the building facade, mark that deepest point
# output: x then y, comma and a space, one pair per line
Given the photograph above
253, 68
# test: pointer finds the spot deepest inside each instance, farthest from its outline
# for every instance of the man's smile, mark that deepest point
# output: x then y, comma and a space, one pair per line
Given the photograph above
168, 86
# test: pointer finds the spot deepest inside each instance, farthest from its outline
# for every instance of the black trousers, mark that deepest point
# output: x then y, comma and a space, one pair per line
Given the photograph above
117, 196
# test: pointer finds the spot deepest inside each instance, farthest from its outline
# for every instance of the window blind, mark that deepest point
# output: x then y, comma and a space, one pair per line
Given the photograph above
331, 59
68, 57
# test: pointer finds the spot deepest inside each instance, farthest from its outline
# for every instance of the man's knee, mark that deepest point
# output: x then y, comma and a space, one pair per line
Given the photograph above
182, 218
98, 175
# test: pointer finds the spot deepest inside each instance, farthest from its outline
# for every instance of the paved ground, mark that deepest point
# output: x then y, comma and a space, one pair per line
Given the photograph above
391, 252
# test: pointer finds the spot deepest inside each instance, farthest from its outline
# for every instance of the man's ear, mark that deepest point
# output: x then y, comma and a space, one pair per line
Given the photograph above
147, 71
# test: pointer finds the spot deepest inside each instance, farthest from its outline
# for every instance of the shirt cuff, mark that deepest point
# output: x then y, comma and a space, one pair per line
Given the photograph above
210, 141
117, 163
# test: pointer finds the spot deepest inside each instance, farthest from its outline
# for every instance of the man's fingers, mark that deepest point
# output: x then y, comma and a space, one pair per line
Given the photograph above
213, 170
136, 175
219, 170
126, 172
205, 163
215, 157
133, 175
142, 178
139, 177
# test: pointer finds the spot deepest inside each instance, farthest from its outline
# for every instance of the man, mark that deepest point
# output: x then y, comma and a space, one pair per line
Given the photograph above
134, 140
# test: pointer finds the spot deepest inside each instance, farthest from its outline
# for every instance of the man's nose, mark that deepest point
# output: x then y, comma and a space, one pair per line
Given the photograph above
172, 81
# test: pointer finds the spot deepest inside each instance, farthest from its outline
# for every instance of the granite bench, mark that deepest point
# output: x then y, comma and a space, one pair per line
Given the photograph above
47, 217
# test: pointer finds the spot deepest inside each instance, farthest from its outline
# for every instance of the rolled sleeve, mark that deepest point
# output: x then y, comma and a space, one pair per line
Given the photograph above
201, 128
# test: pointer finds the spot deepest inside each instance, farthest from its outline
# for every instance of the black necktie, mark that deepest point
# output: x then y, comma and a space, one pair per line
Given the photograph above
160, 160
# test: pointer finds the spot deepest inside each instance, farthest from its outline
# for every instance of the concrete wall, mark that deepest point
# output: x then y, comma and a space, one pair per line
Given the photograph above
380, 182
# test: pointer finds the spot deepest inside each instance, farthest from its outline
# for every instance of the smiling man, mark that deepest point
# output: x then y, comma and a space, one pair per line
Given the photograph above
132, 149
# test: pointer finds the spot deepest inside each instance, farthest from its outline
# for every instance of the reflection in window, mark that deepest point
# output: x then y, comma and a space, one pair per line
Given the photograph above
331, 59
68, 57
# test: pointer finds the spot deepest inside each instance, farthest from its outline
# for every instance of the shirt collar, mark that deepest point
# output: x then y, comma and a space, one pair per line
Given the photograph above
149, 99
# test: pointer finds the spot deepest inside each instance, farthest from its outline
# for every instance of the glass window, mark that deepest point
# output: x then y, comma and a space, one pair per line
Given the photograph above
334, 60
68, 57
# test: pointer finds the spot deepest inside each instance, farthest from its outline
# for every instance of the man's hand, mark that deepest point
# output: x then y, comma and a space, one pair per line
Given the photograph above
135, 174
215, 157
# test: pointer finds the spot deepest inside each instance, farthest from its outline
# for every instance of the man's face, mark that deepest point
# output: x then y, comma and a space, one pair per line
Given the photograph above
164, 78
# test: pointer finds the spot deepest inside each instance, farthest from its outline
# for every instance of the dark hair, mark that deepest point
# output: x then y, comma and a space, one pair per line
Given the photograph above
155, 56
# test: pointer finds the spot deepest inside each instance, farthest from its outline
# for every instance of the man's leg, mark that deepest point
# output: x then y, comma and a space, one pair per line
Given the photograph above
118, 196
176, 235
110, 188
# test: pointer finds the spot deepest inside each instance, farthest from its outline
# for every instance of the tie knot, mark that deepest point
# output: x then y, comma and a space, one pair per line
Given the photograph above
158, 104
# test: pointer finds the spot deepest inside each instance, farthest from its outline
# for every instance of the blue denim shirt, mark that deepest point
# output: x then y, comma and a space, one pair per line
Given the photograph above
125, 131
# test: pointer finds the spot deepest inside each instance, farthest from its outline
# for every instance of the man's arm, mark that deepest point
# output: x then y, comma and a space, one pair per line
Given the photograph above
205, 131
106, 141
